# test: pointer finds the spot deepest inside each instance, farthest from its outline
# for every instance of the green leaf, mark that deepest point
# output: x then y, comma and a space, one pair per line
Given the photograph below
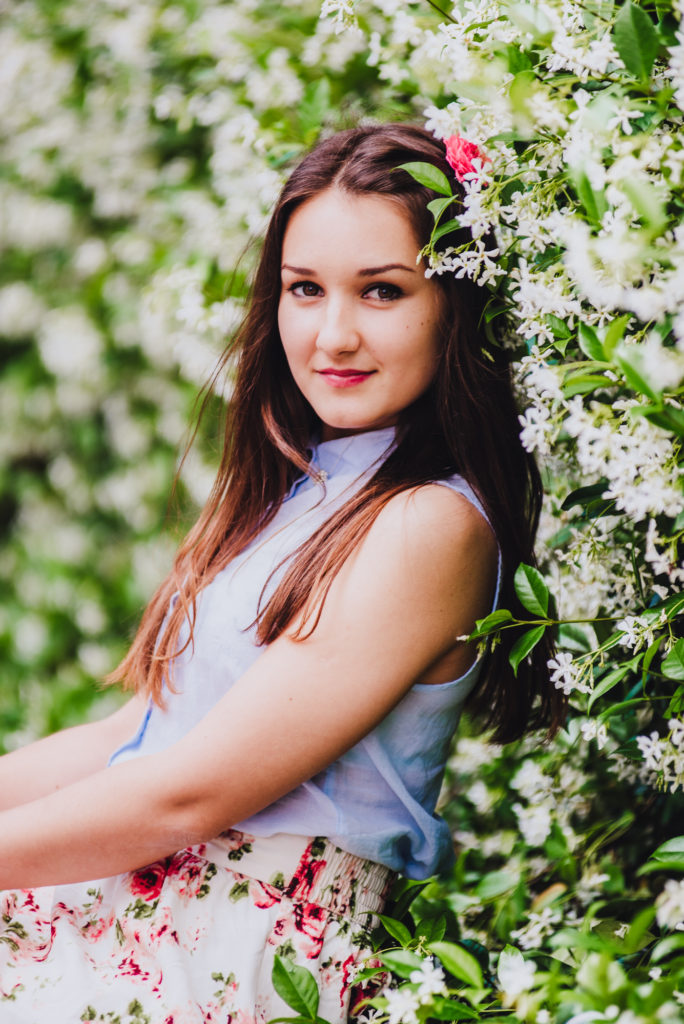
673, 665
495, 883
615, 333
673, 849
444, 229
648, 658
438, 206
590, 343
674, 605
676, 704
666, 417
629, 358
289, 1020
396, 929
559, 327
607, 683
594, 203
523, 645
459, 962
442, 1008
622, 706
428, 175
647, 202
671, 944
296, 986
531, 589
491, 622
668, 866
401, 961
636, 40
578, 382
590, 498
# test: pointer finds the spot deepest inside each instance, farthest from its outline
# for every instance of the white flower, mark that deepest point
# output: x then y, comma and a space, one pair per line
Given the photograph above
538, 926
430, 981
637, 632
534, 822
676, 731
670, 905
343, 13
515, 974
536, 429
402, 1005
593, 730
652, 750
530, 781
70, 344
566, 673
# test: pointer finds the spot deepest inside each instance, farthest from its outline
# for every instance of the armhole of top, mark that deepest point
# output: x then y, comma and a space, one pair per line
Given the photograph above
463, 488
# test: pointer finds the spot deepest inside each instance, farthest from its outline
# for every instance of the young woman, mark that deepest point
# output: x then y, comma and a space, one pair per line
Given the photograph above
300, 673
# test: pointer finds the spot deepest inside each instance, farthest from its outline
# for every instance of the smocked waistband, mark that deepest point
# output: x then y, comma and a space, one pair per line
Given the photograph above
305, 869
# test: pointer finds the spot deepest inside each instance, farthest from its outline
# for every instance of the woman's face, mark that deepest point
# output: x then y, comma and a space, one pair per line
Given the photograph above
358, 318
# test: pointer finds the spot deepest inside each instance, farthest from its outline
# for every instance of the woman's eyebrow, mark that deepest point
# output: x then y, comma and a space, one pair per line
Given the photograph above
365, 272
298, 270
372, 271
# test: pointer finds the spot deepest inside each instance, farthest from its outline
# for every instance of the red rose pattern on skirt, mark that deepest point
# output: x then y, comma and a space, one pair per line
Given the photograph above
190, 939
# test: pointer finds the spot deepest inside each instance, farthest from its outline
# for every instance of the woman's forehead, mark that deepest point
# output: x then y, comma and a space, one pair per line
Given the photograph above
346, 225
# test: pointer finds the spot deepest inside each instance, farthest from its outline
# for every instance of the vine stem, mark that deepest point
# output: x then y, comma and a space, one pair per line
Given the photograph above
439, 10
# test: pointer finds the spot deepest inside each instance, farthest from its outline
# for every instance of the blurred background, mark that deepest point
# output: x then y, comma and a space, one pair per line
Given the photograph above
143, 143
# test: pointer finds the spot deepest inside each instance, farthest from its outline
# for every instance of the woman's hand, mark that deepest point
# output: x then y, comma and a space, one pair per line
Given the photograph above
419, 580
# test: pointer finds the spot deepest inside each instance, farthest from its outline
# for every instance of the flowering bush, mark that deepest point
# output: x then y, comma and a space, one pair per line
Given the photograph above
143, 144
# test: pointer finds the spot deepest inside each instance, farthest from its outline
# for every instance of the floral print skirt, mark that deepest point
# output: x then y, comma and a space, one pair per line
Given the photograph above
191, 939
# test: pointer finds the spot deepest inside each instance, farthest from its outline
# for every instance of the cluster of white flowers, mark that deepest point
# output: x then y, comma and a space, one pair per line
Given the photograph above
663, 757
539, 925
568, 674
424, 984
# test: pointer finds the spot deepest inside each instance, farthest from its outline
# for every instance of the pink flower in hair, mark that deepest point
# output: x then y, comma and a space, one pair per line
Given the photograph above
460, 154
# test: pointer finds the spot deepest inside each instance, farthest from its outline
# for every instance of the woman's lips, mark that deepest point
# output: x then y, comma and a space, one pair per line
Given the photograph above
345, 378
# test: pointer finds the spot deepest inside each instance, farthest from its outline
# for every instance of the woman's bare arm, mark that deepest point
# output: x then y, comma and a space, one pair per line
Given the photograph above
59, 760
419, 580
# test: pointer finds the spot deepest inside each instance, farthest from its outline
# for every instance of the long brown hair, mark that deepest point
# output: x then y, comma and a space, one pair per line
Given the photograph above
465, 423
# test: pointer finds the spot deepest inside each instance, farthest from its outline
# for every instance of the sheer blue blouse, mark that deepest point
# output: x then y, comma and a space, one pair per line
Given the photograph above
378, 800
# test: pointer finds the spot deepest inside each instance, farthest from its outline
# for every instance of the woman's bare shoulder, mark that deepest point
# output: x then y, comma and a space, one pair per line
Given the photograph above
434, 521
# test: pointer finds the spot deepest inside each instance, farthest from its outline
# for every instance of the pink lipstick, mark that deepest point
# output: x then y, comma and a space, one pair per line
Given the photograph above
345, 378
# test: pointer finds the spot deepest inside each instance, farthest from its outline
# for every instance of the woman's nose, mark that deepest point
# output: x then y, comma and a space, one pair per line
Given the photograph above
337, 331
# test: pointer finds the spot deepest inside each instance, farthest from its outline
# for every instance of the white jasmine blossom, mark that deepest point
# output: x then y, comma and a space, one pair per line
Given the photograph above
593, 730
670, 905
402, 1005
514, 973
430, 981
534, 822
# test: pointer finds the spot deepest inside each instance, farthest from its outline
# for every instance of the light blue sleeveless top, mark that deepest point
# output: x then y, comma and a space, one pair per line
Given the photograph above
378, 800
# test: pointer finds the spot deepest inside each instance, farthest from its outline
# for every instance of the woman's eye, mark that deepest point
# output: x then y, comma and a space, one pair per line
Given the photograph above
308, 289
384, 292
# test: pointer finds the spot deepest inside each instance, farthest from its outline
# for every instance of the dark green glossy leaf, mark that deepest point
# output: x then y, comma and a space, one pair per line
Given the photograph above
428, 175
401, 961
492, 622
531, 589
459, 962
296, 986
590, 342
524, 644
396, 929
636, 40
673, 664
